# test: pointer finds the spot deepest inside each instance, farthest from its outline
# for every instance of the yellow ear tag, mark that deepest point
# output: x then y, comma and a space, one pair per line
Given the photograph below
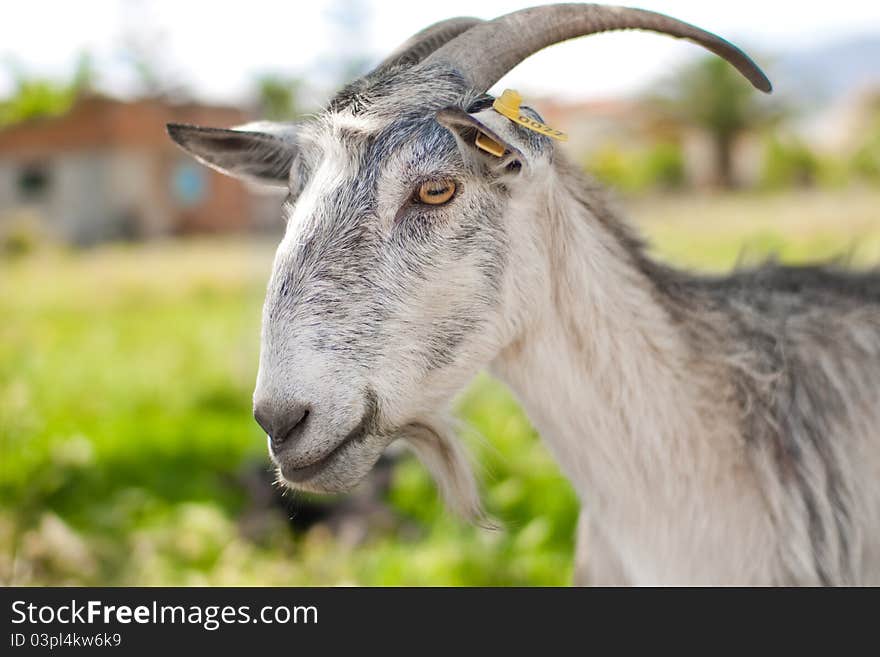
486, 143
508, 105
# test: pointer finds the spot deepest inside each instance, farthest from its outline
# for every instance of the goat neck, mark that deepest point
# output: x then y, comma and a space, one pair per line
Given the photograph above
643, 428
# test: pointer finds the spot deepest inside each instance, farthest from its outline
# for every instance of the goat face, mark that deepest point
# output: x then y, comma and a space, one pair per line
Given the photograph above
390, 286
385, 299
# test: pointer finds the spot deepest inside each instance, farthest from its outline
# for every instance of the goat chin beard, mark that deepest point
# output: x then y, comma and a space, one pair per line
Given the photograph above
437, 447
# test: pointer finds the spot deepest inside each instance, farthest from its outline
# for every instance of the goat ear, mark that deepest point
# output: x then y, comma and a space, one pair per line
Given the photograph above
471, 133
258, 152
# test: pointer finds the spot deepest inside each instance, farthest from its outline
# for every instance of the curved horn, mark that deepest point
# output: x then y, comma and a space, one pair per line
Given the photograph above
488, 51
423, 43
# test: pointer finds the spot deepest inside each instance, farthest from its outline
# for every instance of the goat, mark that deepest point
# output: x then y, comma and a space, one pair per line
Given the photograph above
718, 430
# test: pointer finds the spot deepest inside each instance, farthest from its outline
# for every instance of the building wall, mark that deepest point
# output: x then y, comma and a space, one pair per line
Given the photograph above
78, 204
265, 211
90, 196
8, 185
135, 194
114, 173
70, 201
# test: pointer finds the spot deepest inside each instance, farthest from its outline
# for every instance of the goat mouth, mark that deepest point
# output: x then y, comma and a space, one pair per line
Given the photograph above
305, 473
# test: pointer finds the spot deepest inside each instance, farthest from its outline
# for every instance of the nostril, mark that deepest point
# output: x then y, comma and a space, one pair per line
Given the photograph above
296, 423
263, 419
296, 420
281, 423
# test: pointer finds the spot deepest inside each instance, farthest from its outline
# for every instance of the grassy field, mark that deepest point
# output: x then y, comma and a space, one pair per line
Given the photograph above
128, 454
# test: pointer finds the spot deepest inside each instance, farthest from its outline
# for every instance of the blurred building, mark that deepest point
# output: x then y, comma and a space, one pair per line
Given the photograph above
595, 124
842, 124
627, 125
107, 170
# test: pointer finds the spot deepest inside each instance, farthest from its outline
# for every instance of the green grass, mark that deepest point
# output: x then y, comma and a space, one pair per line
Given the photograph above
126, 439
715, 233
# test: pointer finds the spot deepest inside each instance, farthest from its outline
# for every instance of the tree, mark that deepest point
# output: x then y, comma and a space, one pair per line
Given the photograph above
278, 97
866, 159
35, 97
712, 96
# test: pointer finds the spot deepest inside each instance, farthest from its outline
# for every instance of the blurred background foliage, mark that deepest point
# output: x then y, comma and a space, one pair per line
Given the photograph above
128, 454
36, 97
656, 167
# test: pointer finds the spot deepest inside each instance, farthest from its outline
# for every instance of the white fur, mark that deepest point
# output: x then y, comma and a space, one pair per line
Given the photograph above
605, 380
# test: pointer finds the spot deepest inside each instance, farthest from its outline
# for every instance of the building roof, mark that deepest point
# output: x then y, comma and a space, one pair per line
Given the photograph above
98, 122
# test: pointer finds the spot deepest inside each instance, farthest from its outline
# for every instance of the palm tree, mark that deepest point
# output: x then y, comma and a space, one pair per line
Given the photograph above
711, 96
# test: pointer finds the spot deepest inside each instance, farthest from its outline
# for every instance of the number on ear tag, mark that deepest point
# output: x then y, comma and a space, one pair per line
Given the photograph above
508, 105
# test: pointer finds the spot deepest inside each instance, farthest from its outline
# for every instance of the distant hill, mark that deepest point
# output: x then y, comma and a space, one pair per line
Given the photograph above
827, 73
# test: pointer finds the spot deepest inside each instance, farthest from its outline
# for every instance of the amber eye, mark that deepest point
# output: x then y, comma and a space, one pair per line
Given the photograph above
436, 192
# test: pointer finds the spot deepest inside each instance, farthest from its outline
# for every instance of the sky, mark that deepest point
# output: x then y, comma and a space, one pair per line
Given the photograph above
216, 49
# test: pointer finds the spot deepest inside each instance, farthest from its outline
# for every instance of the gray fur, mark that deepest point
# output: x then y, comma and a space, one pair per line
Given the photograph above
718, 429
